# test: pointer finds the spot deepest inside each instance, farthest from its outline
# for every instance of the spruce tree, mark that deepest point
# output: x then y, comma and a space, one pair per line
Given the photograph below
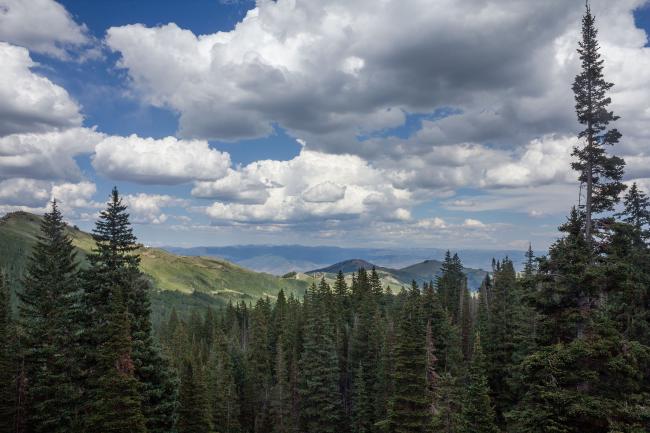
223, 390
114, 267
8, 373
636, 211
117, 406
409, 410
194, 410
281, 396
321, 408
478, 413
48, 312
600, 172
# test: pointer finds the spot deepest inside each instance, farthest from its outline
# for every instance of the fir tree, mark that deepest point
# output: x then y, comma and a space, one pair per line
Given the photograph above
281, 396
362, 409
599, 172
223, 389
8, 373
478, 413
409, 406
118, 405
114, 267
194, 410
320, 399
636, 211
48, 310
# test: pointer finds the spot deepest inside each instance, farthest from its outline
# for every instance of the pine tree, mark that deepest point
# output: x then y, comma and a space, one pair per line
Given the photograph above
8, 373
260, 364
478, 413
466, 324
117, 406
636, 211
48, 307
114, 267
362, 409
224, 401
409, 406
194, 410
499, 342
281, 396
601, 173
321, 409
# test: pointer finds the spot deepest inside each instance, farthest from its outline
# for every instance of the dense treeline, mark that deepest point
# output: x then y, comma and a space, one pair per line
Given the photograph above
563, 346
81, 354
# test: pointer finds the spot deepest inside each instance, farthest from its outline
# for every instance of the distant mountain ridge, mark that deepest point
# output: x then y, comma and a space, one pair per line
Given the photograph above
281, 259
422, 272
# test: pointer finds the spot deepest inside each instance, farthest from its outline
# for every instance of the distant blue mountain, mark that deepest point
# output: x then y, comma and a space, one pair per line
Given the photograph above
280, 259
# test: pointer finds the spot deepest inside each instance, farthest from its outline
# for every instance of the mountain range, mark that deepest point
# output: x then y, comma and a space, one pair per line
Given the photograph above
422, 272
281, 259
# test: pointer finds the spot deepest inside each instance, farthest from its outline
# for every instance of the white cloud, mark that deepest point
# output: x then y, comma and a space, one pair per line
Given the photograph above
324, 192
24, 192
239, 186
165, 161
42, 26
75, 196
473, 223
30, 102
34, 195
313, 186
48, 155
148, 208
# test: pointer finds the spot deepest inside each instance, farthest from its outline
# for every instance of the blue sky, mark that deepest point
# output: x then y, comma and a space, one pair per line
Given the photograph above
409, 123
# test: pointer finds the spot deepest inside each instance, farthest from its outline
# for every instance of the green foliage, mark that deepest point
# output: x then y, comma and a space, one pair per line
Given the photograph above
601, 173
478, 413
409, 405
321, 409
48, 312
194, 410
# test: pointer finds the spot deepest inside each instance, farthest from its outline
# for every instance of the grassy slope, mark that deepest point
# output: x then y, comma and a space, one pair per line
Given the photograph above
211, 281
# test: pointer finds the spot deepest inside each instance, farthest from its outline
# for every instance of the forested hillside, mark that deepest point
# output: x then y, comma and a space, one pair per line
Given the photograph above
562, 347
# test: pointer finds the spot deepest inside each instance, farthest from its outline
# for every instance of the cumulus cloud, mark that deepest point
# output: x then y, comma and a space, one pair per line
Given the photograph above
34, 195
165, 161
313, 186
30, 102
24, 192
272, 67
503, 81
325, 192
43, 26
148, 208
48, 155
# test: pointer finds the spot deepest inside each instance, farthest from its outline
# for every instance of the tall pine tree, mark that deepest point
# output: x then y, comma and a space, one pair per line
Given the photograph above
600, 173
48, 306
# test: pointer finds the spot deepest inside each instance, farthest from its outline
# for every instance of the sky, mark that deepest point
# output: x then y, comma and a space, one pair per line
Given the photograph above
386, 123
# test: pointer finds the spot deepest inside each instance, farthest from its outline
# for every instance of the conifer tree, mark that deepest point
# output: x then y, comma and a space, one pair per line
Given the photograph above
478, 413
194, 410
636, 211
466, 324
362, 409
48, 308
114, 267
409, 406
8, 373
118, 404
600, 172
223, 389
281, 396
321, 409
